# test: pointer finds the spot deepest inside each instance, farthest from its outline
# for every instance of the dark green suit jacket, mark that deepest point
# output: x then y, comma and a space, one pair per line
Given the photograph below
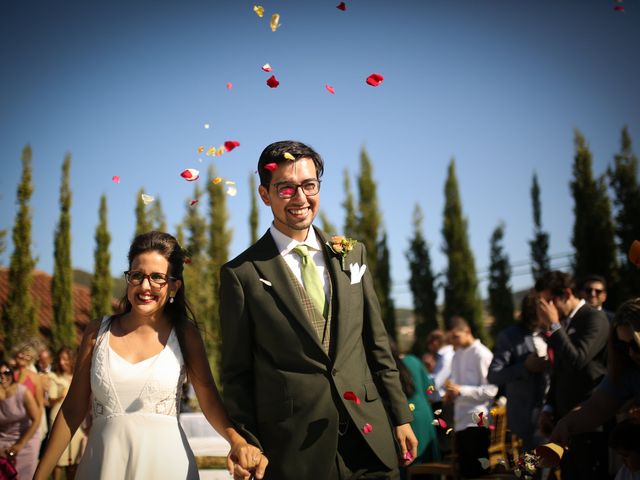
281, 389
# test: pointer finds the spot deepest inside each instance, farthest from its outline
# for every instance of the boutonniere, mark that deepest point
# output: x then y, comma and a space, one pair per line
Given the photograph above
341, 246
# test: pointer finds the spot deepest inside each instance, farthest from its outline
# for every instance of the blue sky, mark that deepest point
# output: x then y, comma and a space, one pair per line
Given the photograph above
126, 87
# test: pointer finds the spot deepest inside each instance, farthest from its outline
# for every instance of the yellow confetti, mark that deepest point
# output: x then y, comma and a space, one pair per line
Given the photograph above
200, 149
449, 430
147, 199
211, 151
412, 407
232, 191
275, 21
288, 156
229, 182
493, 411
259, 9
216, 180
220, 151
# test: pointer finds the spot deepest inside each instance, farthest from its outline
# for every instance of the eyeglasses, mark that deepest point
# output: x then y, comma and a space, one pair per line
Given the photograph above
6, 373
289, 189
623, 347
135, 278
593, 291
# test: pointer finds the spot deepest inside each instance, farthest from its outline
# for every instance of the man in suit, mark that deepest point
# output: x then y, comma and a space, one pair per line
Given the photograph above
594, 291
577, 334
307, 371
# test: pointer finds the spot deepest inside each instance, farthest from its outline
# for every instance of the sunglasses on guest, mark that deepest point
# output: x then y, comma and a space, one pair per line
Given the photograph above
7, 372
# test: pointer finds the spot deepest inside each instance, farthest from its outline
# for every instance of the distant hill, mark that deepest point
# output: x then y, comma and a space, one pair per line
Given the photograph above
84, 278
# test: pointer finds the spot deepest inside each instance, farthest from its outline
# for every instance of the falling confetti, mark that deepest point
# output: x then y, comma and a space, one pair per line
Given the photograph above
341, 6
275, 21
273, 82
351, 396
216, 180
618, 8
207, 126
147, 199
430, 389
484, 462
288, 156
200, 149
115, 179
439, 422
375, 79
438, 412
259, 9
190, 174
478, 418
634, 253
229, 86
449, 430
219, 152
412, 407
367, 428
231, 144
408, 456
211, 151
232, 190
272, 167
266, 67
330, 89
193, 202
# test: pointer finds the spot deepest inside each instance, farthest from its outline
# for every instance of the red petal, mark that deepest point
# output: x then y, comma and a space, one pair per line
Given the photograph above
619, 8
266, 67
271, 167
351, 396
231, 144
190, 174
442, 423
115, 179
229, 86
193, 202
342, 6
480, 419
375, 79
330, 89
367, 428
430, 389
273, 82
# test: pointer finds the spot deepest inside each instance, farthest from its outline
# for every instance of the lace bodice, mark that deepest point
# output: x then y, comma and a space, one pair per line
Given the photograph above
160, 393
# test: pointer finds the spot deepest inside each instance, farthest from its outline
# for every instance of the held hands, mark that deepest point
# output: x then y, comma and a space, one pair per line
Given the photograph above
408, 443
246, 461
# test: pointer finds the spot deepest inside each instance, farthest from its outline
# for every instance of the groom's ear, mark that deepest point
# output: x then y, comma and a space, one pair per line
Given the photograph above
264, 195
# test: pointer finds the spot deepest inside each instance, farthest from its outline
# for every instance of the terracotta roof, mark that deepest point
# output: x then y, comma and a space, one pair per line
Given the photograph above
41, 292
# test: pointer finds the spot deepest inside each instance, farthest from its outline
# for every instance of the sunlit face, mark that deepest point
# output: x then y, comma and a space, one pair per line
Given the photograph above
626, 334
23, 359
44, 359
292, 216
148, 299
64, 362
461, 338
595, 294
6, 376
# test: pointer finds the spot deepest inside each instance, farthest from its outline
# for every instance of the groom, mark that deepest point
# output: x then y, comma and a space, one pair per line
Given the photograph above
306, 368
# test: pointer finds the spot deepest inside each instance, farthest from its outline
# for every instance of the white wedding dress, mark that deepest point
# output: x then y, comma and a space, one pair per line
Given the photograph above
136, 433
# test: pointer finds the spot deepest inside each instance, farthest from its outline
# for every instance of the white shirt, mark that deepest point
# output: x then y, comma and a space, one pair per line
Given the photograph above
469, 369
286, 245
567, 320
441, 372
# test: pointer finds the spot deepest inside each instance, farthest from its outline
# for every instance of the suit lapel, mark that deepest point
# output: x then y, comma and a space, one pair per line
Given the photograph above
272, 267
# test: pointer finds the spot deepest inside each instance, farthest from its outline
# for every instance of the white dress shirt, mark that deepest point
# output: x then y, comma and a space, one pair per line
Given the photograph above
286, 245
441, 372
469, 369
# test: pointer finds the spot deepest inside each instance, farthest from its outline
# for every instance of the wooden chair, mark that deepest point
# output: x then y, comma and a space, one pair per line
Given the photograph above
498, 443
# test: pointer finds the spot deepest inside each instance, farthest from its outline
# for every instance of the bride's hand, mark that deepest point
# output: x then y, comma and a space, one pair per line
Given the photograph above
244, 460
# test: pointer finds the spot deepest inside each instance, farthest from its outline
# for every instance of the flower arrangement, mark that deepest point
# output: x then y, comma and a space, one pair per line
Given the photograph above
341, 245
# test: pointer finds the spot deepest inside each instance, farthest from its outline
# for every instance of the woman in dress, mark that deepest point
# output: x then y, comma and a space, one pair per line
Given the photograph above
59, 382
131, 367
19, 423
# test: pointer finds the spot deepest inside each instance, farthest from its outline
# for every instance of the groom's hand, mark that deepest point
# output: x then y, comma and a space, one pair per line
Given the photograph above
408, 443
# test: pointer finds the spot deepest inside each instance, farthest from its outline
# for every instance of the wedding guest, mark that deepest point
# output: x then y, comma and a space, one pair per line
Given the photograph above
442, 351
594, 291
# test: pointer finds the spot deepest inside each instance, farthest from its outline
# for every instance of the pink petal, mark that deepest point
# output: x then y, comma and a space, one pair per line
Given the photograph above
375, 79
330, 89
273, 82
430, 389
190, 174
367, 428
229, 86
271, 167
266, 67
115, 179
442, 423
408, 456
231, 144
351, 396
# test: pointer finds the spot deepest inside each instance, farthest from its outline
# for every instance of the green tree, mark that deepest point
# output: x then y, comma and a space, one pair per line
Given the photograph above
539, 245
593, 234
500, 294
101, 281
3, 243
63, 328
19, 314
421, 282
351, 219
387, 305
143, 222
461, 288
253, 214
327, 225
219, 241
157, 219
623, 177
368, 225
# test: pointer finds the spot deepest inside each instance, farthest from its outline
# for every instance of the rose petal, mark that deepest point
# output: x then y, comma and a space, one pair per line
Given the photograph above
193, 202
634, 253
147, 199
273, 82
229, 86
438, 411
408, 456
275, 21
449, 430
412, 407
288, 156
207, 126
232, 191
271, 167
618, 8
330, 89
115, 179
259, 9
375, 79
342, 6
442, 423
216, 180
190, 174
367, 428
231, 144
351, 396
430, 389
211, 151
266, 67
200, 149
484, 462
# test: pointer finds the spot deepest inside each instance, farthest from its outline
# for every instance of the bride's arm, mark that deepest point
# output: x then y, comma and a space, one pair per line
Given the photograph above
74, 407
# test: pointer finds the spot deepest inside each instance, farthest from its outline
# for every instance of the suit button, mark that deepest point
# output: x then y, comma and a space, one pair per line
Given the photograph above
334, 372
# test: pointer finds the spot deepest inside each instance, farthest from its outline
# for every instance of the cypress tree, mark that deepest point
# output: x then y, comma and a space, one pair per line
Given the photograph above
351, 219
500, 294
593, 235
3, 243
180, 235
19, 315
63, 328
461, 287
539, 245
219, 241
422, 283
253, 214
623, 177
143, 223
327, 225
157, 219
101, 281
368, 225
387, 305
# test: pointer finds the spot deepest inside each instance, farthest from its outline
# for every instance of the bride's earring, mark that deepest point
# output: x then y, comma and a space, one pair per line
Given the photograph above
171, 297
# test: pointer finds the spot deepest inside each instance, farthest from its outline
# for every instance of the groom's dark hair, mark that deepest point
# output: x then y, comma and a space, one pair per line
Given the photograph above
274, 153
